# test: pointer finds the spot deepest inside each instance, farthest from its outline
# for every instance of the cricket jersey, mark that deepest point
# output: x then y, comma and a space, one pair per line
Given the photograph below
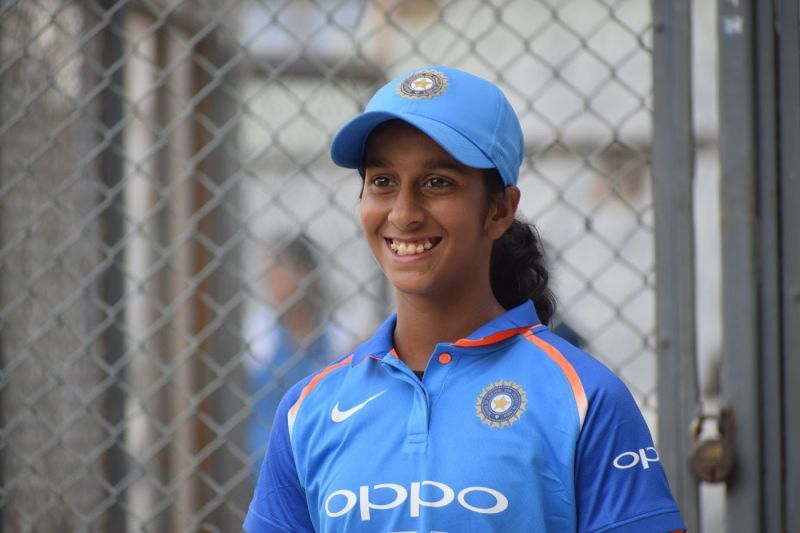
511, 429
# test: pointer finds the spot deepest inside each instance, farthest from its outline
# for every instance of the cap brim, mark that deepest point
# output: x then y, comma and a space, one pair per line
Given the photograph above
348, 145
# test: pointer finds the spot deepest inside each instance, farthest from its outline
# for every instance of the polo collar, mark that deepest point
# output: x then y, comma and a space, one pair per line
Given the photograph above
379, 344
510, 323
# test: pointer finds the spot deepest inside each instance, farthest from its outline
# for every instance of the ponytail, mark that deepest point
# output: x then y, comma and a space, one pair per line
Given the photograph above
517, 269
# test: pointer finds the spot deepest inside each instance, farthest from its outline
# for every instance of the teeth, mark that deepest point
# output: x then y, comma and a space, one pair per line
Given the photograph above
410, 248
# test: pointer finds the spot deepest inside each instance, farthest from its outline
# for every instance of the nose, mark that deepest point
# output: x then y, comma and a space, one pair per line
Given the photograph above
406, 212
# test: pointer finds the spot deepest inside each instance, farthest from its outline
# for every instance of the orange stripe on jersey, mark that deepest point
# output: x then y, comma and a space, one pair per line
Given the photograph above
569, 371
311, 386
493, 338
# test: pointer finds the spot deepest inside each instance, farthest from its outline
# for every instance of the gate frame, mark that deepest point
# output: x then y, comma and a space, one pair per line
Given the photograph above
673, 199
759, 112
787, 22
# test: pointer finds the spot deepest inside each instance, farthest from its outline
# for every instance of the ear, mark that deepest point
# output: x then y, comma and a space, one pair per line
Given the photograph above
501, 213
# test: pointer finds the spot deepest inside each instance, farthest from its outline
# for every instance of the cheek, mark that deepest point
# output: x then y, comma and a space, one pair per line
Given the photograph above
370, 216
363, 215
474, 215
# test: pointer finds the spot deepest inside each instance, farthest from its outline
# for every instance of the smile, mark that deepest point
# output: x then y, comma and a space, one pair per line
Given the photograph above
401, 247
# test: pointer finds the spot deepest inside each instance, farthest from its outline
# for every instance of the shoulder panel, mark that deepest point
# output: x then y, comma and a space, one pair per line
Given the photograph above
569, 371
311, 385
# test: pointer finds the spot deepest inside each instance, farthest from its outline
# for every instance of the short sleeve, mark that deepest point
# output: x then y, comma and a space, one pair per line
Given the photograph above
279, 503
619, 481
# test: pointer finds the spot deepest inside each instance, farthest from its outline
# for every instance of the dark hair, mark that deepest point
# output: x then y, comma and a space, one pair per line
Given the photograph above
517, 269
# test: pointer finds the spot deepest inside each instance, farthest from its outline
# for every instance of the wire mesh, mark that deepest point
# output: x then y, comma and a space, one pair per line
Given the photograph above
177, 247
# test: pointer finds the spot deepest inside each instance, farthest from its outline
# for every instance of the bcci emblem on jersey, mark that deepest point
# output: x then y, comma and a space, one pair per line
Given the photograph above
422, 84
501, 404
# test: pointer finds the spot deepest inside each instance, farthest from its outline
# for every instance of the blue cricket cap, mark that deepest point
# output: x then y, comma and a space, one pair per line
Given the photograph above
469, 117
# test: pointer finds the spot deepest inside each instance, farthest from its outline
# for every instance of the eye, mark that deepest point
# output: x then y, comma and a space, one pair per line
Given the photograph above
380, 181
437, 182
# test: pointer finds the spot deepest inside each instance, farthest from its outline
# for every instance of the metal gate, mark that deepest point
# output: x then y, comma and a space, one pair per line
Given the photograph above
176, 246
726, 218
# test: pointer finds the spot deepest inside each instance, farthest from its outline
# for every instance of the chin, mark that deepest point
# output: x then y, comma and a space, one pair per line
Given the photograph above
417, 288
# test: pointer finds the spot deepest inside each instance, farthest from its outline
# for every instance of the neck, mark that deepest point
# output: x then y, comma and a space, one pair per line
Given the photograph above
422, 322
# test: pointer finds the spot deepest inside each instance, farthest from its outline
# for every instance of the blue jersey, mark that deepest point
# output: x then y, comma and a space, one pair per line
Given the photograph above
510, 429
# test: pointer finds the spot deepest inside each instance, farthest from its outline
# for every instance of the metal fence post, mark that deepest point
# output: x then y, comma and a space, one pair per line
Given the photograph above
787, 21
767, 316
673, 168
112, 175
740, 368
225, 409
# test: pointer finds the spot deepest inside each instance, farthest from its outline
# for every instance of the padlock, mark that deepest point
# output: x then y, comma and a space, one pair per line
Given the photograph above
713, 458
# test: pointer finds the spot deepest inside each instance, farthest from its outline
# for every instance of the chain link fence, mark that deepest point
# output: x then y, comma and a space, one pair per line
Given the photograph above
177, 248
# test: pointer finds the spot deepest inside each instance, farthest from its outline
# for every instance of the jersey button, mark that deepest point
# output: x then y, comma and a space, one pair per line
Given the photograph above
445, 358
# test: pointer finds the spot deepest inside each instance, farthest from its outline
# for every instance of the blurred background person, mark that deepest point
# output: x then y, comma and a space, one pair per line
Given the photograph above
289, 337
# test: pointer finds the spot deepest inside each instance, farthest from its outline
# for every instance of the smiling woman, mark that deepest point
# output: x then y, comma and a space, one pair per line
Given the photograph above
429, 220
463, 412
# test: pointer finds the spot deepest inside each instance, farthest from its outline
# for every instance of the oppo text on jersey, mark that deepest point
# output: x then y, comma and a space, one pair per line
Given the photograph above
342, 501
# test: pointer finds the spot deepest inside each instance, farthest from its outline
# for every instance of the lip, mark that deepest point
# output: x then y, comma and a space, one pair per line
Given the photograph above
435, 241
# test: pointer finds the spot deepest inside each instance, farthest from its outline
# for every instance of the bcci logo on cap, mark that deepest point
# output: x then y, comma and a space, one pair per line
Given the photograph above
422, 84
501, 404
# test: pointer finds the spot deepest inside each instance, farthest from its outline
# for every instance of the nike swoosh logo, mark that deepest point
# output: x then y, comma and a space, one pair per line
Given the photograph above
340, 416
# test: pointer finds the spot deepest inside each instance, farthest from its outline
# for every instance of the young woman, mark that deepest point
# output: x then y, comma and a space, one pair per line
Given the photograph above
463, 412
